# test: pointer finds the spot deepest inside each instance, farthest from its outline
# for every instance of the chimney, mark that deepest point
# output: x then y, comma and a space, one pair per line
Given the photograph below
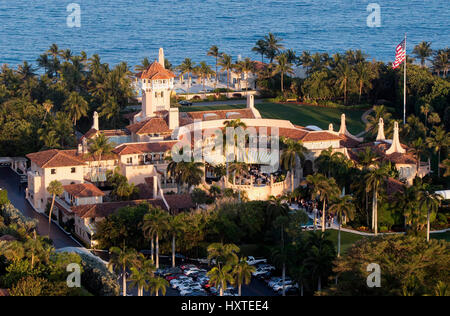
380, 135
95, 125
343, 129
250, 101
84, 146
396, 147
174, 118
80, 149
161, 57
155, 187
330, 127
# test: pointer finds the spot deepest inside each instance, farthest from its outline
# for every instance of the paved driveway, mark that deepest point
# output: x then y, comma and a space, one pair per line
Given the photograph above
9, 180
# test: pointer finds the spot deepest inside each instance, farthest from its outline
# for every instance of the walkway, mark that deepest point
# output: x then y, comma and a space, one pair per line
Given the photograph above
9, 180
365, 121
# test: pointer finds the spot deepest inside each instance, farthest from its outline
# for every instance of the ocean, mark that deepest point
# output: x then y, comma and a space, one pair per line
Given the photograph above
124, 30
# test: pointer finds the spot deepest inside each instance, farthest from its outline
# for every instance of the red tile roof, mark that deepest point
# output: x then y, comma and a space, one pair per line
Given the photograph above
106, 209
155, 72
4, 292
142, 148
179, 201
394, 186
54, 158
8, 238
222, 114
83, 190
155, 125
320, 136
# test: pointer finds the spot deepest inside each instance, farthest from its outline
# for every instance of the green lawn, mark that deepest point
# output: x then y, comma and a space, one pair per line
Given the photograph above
347, 239
303, 115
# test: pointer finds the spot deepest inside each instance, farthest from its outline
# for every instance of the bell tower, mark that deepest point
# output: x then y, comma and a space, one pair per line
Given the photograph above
156, 84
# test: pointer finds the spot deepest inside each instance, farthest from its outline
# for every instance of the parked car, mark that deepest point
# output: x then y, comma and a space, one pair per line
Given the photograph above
252, 261
185, 103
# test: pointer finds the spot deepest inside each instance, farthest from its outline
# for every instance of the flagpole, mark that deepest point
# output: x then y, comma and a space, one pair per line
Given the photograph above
404, 88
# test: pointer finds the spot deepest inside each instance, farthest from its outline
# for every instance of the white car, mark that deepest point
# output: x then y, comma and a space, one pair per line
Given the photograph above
274, 281
279, 286
252, 261
266, 267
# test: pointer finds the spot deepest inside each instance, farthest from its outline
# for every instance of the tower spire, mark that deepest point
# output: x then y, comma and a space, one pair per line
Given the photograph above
161, 57
380, 135
396, 147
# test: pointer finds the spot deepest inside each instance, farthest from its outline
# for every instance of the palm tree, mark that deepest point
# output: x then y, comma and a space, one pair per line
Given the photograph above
221, 277
237, 69
418, 147
273, 46
260, 48
187, 67
373, 120
44, 62
26, 71
158, 285
247, 66
423, 51
300, 273
238, 169
156, 224
320, 256
280, 254
283, 67
367, 157
439, 139
214, 52
343, 73
142, 274
292, 149
66, 54
223, 254
76, 106
99, 147
226, 64
323, 188
363, 76
440, 62
375, 179
139, 279
425, 110
204, 71
145, 64
305, 60
191, 173
120, 260
242, 274
341, 207
176, 227
446, 166
430, 202
54, 188
48, 105
34, 247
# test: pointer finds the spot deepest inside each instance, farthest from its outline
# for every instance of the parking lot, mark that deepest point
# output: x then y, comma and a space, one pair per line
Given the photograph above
190, 279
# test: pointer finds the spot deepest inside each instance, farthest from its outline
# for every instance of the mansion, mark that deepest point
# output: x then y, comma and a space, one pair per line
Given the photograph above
142, 147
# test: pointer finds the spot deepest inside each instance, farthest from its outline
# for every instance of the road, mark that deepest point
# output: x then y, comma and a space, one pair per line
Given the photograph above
9, 180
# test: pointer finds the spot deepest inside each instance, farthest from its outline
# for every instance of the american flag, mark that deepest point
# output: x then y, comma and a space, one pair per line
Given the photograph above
400, 54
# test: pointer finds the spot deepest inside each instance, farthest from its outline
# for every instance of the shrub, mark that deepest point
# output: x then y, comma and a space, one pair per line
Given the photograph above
3, 197
11, 215
97, 279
